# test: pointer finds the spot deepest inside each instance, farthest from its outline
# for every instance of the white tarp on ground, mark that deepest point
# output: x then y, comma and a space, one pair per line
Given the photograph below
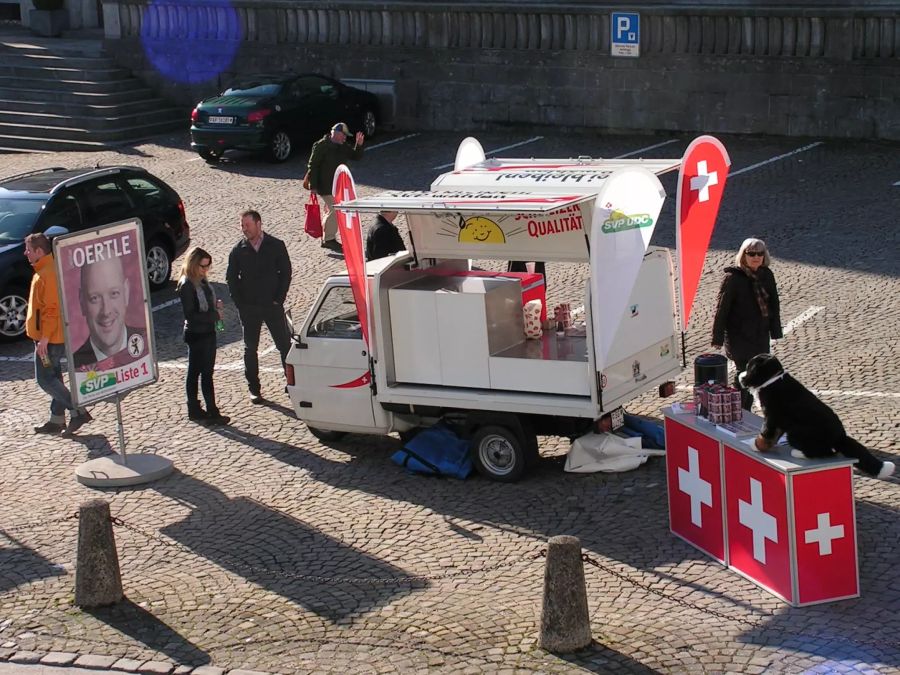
608, 453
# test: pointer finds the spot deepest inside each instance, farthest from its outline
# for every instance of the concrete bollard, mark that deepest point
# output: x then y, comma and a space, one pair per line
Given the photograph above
97, 578
565, 622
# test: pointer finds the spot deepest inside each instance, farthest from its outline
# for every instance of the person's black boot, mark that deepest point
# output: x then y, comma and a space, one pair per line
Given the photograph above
216, 417
196, 413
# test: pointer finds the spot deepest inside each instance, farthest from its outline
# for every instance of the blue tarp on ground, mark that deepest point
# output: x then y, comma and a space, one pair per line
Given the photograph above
436, 451
652, 433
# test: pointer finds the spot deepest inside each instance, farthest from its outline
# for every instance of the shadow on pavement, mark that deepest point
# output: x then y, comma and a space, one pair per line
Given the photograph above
623, 517
863, 630
141, 625
280, 553
22, 565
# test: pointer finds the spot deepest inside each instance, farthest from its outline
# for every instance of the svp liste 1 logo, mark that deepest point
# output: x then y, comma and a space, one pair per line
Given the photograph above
97, 382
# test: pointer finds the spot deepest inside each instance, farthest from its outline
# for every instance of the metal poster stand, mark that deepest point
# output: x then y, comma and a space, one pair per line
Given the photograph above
124, 241
122, 470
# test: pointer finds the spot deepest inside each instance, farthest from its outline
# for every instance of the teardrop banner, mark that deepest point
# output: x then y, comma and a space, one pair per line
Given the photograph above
344, 190
625, 216
701, 184
469, 153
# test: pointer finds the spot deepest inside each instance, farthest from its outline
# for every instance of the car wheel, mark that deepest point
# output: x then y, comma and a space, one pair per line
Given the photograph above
325, 435
369, 123
210, 156
159, 265
13, 310
280, 146
499, 454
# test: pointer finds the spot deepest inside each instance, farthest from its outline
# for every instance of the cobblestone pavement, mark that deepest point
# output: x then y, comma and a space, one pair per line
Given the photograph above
268, 550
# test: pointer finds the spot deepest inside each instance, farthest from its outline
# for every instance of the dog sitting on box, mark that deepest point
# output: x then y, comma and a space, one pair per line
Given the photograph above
812, 428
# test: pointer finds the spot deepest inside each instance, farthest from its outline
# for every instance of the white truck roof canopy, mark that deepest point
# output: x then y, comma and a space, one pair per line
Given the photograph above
582, 174
465, 201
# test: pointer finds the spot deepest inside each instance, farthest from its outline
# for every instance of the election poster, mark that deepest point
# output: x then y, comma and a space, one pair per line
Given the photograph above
106, 311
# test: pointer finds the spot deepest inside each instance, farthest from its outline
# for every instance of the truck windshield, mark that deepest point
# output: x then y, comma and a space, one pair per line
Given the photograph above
17, 218
337, 316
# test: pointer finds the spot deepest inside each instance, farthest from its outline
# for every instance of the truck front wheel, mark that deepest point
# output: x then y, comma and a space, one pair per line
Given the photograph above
499, 454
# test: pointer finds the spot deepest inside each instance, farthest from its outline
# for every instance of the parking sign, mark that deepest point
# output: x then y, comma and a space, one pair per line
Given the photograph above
625, 38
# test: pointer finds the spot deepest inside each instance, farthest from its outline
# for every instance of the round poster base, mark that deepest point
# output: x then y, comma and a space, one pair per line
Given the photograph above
111, 472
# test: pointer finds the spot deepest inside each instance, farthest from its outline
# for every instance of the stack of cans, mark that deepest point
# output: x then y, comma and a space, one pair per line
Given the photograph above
718, 403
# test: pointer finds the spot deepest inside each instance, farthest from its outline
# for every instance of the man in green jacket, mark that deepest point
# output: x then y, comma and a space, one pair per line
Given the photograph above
328, 153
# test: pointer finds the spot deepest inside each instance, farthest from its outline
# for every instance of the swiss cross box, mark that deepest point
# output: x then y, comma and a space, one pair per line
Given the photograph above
786, 523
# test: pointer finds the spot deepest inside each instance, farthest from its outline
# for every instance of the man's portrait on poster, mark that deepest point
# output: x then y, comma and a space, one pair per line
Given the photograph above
115, 336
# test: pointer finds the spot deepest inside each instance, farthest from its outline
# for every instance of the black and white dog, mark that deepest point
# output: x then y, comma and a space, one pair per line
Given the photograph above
811, 426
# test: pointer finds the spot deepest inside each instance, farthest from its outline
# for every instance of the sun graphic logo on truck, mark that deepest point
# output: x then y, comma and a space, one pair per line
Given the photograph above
480, 230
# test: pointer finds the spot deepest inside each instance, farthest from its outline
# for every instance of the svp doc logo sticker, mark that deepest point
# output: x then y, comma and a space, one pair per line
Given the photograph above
619, 222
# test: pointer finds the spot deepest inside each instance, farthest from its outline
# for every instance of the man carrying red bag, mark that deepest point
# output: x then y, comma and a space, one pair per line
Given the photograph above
328, 153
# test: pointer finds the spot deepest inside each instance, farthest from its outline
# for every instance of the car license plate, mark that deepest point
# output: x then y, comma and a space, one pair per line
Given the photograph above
219, 119
617, 417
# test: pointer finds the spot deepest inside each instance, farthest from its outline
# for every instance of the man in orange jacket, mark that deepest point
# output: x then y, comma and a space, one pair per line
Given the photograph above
44, 326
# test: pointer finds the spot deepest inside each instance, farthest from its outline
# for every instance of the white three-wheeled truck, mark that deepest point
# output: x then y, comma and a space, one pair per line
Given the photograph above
448, 343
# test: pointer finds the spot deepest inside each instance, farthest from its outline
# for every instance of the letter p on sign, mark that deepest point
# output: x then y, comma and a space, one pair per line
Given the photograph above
625, 38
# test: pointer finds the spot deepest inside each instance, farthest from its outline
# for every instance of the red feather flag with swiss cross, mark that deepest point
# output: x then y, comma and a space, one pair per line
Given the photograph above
701, 183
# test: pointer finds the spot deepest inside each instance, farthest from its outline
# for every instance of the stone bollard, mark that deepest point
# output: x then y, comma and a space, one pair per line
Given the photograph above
97, 578
565, 622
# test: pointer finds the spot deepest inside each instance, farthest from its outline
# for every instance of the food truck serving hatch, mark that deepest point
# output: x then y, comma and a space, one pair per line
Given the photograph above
490, 225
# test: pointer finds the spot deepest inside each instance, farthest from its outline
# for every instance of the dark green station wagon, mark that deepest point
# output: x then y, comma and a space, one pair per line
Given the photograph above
272, 113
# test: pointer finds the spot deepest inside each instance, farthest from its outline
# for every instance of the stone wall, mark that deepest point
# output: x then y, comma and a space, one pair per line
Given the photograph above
799, 69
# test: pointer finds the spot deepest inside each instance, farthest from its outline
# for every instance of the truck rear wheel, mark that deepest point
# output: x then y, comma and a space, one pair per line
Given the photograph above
325, 435
499, 453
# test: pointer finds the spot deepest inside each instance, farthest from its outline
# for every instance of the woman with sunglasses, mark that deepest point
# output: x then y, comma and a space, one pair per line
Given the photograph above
747, 312
201, 311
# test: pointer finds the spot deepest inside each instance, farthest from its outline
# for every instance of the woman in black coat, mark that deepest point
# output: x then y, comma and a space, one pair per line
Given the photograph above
201, 312
748, 312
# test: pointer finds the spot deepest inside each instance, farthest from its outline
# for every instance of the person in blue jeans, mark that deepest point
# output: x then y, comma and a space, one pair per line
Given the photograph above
44, 326
201, 312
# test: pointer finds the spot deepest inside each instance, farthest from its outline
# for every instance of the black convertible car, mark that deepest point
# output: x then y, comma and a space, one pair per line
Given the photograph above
271, 113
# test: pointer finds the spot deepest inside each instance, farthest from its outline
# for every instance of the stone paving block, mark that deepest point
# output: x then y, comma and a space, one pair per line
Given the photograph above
182, 670
59, 659
25, 657
207, 670
156, 667
95, 661
129, 665
241, 671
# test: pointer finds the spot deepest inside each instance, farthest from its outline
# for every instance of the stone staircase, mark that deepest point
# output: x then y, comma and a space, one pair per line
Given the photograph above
65, 94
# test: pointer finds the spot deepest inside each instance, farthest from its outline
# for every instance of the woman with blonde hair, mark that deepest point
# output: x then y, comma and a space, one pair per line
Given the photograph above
748, 311
201, 311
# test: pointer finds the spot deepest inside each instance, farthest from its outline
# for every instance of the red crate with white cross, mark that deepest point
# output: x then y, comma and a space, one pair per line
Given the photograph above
787, 524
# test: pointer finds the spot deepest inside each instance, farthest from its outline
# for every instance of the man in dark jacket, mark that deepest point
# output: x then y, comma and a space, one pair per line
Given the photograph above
328, 153
383, 238
258, 276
